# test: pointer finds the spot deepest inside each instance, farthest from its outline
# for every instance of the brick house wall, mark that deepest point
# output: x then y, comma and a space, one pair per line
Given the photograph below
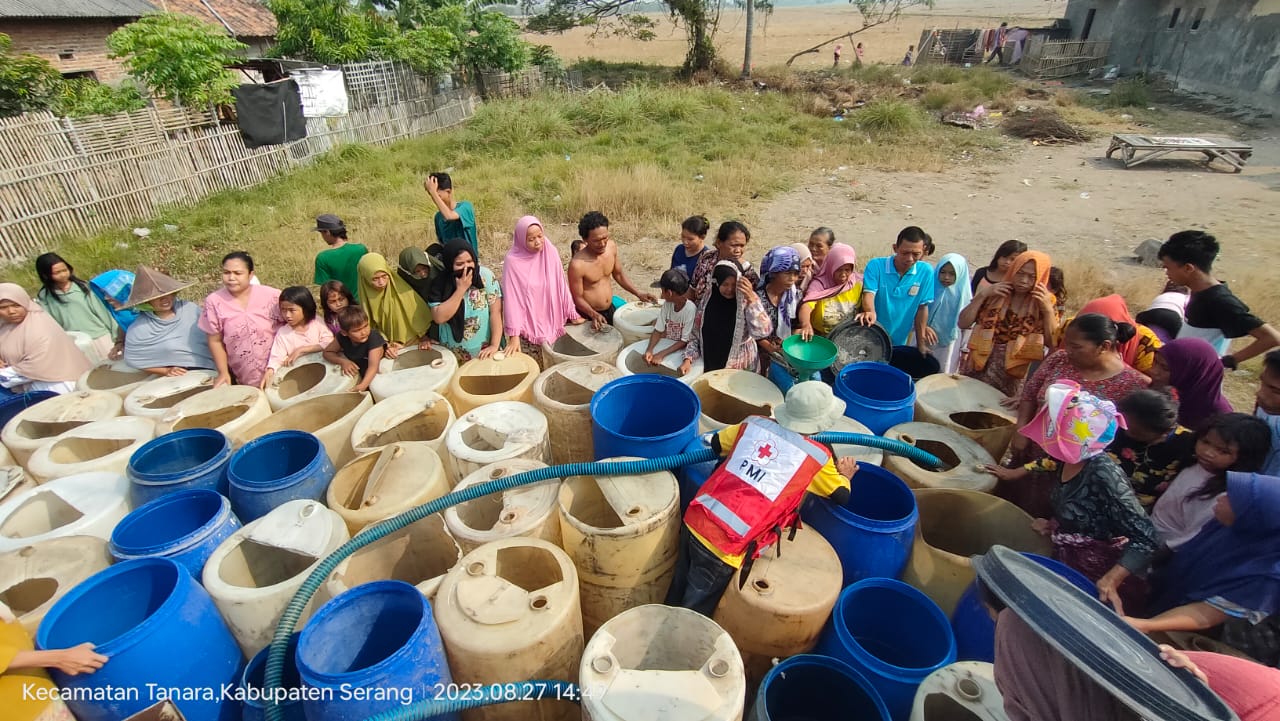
84, 38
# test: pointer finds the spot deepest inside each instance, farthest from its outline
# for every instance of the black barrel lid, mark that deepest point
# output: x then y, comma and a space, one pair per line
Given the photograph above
1097, 641
858, 343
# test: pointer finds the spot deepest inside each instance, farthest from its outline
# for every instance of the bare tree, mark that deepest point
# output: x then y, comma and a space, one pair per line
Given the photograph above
873, 12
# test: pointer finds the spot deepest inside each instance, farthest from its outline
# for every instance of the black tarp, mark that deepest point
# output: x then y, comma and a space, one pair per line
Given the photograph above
270, 114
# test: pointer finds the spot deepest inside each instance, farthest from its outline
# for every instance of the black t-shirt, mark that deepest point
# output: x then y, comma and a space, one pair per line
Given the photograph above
977, 278
1217, 307
359, 354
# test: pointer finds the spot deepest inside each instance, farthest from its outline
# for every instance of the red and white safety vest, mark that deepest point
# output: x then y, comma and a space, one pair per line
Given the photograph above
757, 490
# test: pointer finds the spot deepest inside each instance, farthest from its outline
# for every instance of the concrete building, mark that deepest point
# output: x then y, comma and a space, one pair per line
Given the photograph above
72, 34
1229, 48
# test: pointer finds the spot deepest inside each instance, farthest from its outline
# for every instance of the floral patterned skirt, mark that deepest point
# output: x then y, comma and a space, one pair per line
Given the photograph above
1094, 558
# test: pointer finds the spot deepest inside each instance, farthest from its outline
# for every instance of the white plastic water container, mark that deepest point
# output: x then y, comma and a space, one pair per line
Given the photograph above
386, 482
105, 445
253, 574
635, 320
331, 418
563, 394
528, 510
419, 554
310, 376
414, 370
113, 376
88, 504
410, 416
497, 432
661, 662
583, 342
231, 409
503, 377
729, 396
33, 578
631, 362
50, 418
153, 398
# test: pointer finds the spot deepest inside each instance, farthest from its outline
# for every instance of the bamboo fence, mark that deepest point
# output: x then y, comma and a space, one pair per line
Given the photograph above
1055, 59
64, 176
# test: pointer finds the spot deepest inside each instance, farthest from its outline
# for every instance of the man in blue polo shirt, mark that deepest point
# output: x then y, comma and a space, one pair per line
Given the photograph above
897, 291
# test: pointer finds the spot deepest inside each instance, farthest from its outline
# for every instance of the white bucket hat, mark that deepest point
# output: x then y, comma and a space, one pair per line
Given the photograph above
810, 407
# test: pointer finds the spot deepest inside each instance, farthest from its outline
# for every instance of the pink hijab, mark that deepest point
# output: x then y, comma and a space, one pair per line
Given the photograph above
824, 283
535, 294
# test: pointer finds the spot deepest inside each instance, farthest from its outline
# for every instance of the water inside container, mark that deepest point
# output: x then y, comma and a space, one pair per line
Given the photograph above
569, 346
943, 451
428, 425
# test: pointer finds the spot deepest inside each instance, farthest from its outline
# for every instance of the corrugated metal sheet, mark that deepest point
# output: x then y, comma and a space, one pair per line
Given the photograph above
75, 8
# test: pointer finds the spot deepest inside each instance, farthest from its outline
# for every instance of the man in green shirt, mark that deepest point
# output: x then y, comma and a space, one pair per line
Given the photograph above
454, 219
339, 261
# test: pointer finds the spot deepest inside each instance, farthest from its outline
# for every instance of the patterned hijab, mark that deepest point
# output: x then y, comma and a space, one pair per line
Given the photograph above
782, 259
1073, 425
1029, 342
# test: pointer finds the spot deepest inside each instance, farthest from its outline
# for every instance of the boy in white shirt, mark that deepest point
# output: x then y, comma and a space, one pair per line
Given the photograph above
675, 319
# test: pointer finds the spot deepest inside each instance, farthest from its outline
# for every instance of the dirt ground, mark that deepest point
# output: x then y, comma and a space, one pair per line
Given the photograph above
789, 30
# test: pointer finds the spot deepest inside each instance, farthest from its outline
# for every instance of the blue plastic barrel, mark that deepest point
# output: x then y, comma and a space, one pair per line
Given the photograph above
15, 404
974, 630
277, 468
877, 395
374, 648
816, 688
286, 695
186, 526
873, 532
194, 458
157, 626
646, 415
783, 379
893, 634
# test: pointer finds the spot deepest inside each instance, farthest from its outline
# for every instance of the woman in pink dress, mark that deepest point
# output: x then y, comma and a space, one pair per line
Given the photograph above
241, 321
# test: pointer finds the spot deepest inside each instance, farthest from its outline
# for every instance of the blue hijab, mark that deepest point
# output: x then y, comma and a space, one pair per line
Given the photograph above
1240, 562
944, 314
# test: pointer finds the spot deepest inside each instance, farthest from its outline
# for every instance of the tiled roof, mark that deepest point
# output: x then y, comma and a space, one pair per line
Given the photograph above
243, 18
76, 9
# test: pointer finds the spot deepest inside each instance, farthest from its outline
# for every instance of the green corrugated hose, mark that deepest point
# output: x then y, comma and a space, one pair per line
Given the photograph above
427, 709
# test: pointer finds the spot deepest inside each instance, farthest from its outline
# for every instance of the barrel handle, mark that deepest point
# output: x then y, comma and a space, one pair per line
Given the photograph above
378, 473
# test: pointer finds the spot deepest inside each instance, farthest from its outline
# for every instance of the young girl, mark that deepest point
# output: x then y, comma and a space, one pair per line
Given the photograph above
1058, 286
70, 302
997, 270
301, 333
728, 324
1229, 442
335, 296
1098, 527
1014, 321
951, 294
693, 242
1189, 369
834, 294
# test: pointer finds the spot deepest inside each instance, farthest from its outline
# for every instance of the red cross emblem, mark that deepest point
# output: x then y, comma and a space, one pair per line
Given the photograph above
765, 453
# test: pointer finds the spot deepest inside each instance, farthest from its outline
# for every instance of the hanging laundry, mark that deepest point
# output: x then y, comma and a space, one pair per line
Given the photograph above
270, 113
324, 92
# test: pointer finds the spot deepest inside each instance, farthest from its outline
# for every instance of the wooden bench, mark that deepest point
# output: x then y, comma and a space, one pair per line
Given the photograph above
1138, 149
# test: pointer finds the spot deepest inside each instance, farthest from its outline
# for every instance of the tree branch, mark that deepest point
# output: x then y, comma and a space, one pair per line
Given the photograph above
847, 36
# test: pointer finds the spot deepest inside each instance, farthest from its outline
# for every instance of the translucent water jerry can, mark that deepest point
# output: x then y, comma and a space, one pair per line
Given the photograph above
524, 511
386, 482
310, 376
414, 370
661, 662
964, 461
509, 612
153, 398
232, 409
583, 342
497, 432
39, 424
104, 446
563, 394
623, 535
967, 406
113, 376
729, 396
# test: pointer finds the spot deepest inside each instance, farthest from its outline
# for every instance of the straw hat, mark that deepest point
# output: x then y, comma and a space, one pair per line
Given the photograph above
149, 284
810, 407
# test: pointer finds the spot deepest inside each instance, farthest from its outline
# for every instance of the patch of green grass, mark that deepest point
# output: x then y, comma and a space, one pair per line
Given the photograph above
940, 74
987, 83
876, 75
647, 156
889, 116
619, 74
1129, 93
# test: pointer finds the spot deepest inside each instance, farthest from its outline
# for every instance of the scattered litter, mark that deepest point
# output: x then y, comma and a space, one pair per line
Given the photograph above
1112, 73
1084, 196
698, 177
142, 232
979, 111
1100, 91
567, 157
171, 227
1026, 182
908, 207
973, 195
839, 118
1126, 117
842, 167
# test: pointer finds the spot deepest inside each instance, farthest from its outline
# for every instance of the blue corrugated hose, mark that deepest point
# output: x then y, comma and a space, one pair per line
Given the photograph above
427, 709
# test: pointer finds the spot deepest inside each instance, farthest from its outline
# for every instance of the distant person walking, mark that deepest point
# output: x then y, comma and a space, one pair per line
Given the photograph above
839, 49
997, 42
906, 59
857, 54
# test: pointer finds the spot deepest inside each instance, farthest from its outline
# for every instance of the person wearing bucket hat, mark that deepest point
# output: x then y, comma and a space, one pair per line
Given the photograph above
1098, 526
752, 497
338, 261
165, 339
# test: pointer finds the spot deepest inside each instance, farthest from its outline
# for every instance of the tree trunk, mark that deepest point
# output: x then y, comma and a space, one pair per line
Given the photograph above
751, 24
702, 52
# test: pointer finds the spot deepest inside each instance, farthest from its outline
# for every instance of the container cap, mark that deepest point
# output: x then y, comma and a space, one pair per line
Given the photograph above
1100, 643
857, 343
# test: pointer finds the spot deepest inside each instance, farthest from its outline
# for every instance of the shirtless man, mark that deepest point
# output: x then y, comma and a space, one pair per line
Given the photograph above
593, 270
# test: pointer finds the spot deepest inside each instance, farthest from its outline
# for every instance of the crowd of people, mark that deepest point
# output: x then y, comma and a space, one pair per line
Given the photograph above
1128, 455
